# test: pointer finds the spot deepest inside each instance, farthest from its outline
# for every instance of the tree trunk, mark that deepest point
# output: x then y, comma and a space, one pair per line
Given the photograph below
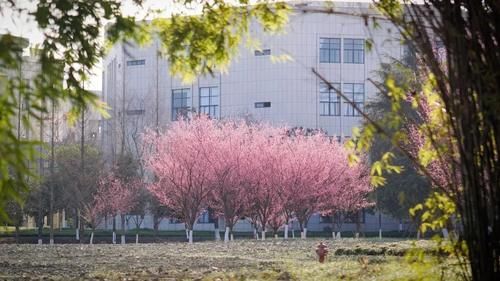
122, 218
190, 239
17, 233
226, 235
114, 229
91, 238
286, 231
357, 226
216, 229
59, 215
137, 238
64, 222
263, 235
156, 225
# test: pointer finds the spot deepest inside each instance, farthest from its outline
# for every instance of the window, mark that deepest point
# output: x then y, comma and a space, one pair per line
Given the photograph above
329, 100
204, 217
136, 62
329, 50
262, 104
325, 219
209, 101
264, 52
180, 103
354, 51
355, 93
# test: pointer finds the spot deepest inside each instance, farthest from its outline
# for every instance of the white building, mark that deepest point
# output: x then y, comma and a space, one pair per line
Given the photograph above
141, 92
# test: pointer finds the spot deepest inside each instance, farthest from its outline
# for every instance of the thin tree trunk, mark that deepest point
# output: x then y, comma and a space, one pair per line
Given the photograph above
114, 229
216, 229
122, 217
286, 231
91, 238
263, 235
226, 235
51, 186
77, 225
17, 233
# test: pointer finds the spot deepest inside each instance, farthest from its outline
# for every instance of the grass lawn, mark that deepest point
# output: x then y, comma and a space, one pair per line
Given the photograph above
274, 259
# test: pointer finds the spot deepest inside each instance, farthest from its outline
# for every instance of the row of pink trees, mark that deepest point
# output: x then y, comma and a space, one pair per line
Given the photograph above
268, 175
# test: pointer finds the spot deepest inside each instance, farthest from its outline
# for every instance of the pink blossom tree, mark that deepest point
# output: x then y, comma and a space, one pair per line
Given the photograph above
263, 166
225, 153
118, 197
93, 214
348, 194
178, 163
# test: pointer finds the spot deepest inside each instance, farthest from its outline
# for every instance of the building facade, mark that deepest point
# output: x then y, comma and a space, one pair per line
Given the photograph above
342, 47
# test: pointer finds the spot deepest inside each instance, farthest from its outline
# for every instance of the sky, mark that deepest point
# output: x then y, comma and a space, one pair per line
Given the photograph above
24, 26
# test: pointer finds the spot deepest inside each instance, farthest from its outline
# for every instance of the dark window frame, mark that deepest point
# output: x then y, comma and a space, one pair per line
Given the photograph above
354, 51
183, 109
211, 109
333, 101
353, 96
136, 62
330, 46
264, 104
263, 52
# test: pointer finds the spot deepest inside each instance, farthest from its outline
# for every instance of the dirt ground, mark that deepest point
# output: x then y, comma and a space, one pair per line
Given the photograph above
239, 260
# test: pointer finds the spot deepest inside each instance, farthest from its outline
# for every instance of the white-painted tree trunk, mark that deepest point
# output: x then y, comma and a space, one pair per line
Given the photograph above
293, 233
333, 235
137, 238
400, 227
40, 241
190, 237
122, 239
275, 236
77, 234
51, 241
446, 235
380, 234
305, 232
339, 236
64, 219
356, 236
217, 234
263, 235
91, 238
114, 237
232, 236
286, 231
226, 235
187, 233
255, 234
